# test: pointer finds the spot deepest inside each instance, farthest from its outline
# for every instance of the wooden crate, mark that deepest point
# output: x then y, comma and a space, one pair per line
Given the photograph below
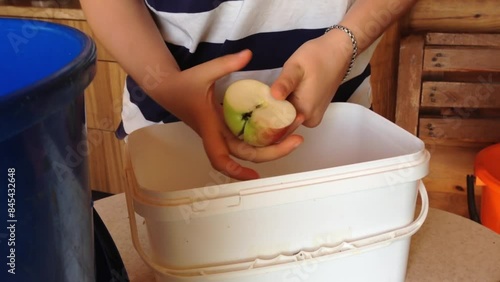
449, 96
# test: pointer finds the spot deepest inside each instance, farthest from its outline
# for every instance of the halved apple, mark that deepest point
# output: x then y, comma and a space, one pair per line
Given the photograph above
253, 115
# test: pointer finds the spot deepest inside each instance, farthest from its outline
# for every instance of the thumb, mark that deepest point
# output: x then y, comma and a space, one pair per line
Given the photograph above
287, 81
222, 66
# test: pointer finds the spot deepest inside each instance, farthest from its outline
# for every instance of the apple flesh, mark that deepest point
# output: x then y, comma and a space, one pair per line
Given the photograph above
253, 115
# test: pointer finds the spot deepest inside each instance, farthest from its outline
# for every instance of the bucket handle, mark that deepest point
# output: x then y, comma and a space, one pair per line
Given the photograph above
133, 225
130, 185
384, 237
404, 231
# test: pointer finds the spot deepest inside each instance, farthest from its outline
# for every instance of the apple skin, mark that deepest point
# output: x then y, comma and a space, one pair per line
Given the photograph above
259, 135
233, 118
253, 115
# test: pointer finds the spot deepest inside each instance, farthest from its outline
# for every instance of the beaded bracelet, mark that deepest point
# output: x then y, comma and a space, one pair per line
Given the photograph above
354, 45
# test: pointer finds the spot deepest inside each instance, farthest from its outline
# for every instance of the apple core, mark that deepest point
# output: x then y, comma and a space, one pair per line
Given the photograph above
253, 115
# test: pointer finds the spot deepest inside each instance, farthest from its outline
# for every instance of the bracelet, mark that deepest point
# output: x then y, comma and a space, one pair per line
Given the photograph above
354, 45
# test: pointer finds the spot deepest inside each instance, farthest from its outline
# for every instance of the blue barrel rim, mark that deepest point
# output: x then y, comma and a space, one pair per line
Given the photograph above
72, 78
89, 51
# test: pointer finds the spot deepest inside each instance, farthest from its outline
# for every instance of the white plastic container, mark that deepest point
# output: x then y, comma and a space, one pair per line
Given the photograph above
379, 258
355, 176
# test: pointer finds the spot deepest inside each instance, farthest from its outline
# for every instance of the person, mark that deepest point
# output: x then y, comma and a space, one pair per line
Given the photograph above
181, 55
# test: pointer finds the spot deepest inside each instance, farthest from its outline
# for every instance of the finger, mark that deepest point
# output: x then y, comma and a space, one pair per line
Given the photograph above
221, 66
299, 119
263, 154
287, 81
219, 158
314, 121
315, 117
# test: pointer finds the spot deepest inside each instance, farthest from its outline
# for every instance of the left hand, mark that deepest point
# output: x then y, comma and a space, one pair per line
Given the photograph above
312, 74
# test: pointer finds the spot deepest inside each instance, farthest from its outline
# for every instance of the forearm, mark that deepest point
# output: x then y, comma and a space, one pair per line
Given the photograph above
128, 32
368, 19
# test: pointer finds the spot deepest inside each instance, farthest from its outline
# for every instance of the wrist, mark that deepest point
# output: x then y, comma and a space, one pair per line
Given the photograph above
349, 44
159, 84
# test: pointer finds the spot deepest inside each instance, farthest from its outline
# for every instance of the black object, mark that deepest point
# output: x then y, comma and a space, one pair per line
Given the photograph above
109, 266
471, 199
346, 89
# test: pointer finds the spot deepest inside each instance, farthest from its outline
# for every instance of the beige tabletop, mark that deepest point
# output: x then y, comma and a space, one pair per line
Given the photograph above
447, 247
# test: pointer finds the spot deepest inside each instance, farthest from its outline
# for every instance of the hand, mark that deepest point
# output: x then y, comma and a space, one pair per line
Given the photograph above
311, 76
195, 104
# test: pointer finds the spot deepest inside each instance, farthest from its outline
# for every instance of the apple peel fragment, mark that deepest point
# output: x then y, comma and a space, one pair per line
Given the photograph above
253, 115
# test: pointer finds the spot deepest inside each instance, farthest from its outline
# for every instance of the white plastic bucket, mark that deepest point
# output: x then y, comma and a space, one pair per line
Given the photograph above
356, 175
381, 257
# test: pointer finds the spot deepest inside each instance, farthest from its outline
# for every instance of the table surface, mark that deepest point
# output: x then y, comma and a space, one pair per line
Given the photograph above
447, 247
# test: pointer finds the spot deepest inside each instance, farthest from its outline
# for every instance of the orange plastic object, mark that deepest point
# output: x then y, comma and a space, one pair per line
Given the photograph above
487, 171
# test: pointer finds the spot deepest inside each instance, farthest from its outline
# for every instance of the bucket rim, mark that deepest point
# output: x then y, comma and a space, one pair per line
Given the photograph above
483, 165
230, 196
23, 107
85, 57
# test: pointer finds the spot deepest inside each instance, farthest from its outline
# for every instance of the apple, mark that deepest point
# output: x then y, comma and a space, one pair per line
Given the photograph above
253, 115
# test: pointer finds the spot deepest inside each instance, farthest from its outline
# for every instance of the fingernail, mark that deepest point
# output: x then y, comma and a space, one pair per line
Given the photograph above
242, 52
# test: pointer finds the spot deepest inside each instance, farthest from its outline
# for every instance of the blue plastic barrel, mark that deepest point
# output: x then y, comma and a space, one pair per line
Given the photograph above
45, 201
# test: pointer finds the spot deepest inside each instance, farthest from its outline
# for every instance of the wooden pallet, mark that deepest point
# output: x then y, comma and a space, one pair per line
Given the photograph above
449, 96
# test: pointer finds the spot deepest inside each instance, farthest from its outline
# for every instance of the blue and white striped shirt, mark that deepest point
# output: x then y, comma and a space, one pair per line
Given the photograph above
196, 31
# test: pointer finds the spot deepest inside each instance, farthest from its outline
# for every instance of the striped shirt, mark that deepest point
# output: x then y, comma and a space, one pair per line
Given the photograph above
196, 31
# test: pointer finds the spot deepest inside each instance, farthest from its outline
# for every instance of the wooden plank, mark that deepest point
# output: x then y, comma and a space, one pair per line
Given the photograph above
454, 16
470, 76
105, 162
103, 97
42, 13
409, 82
384, 71
463, 39
461, 59
449, 166
446, 182
438, 130
477, 113
459, 94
